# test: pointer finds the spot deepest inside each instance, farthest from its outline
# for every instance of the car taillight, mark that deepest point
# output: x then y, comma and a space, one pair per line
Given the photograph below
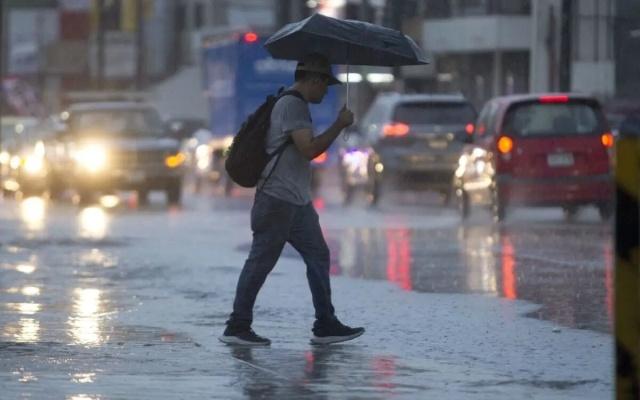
250, 37
321, 158
607, 140
395, 129
505, 144
469, 129
554, 99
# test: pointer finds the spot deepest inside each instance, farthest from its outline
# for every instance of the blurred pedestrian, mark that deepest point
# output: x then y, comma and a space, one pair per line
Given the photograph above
283, 211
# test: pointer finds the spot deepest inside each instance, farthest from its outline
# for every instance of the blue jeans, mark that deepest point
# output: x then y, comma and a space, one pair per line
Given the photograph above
274, 223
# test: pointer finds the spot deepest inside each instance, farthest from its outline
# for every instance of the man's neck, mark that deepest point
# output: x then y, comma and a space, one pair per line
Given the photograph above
302, 89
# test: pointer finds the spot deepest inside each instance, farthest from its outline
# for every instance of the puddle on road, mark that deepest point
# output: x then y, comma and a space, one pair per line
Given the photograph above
530, 263
36, 243
336, 371
88, 336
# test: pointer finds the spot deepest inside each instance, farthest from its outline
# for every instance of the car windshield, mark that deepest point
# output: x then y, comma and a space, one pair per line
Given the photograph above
142, 122
536, 119
13, 133
432, 113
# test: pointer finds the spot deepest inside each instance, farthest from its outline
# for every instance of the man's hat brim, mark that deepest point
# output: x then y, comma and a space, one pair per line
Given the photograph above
332, 79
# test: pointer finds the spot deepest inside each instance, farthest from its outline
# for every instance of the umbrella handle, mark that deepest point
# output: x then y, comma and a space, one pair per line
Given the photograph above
347, 85
346, 134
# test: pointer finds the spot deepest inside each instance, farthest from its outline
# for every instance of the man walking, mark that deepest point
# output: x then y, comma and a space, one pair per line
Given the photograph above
283, 212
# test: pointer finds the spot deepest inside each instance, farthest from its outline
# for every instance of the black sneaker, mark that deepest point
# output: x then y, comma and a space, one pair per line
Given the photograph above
335, 332
245, 337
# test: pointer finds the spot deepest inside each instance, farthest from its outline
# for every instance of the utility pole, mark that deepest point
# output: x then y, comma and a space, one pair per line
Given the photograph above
283, 15
100, 45
566, 25
140, 56
394, 12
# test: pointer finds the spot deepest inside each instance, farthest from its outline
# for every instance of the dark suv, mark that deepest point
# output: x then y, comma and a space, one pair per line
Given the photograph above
109, 146
409, 141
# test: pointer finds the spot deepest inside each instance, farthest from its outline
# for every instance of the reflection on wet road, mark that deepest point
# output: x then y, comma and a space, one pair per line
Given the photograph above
109, 302
565, 268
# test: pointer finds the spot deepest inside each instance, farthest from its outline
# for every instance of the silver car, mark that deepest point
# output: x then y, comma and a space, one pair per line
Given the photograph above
407, 141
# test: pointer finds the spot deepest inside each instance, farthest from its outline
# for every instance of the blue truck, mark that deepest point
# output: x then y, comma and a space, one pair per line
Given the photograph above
238, 74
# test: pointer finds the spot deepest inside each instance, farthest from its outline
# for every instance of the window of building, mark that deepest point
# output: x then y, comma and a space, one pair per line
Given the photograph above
472, 7
462, 8
437, 9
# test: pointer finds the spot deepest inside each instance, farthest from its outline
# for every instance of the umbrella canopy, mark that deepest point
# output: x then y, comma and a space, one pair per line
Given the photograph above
345, 42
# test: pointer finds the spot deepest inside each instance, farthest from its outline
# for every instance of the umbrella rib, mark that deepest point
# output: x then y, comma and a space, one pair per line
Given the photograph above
351, 43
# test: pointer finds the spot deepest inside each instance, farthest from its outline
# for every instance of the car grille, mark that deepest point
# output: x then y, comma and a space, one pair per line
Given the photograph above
135, 158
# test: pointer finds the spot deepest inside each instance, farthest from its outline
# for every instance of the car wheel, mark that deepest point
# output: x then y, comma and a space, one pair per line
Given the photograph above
197, 184
463, 204
348, 193
228, 186
606, 211
174, 193
6, 193
447, 195
143, 196
56, 192
498, 208
86, 197
56, 187
375, 193
570, 212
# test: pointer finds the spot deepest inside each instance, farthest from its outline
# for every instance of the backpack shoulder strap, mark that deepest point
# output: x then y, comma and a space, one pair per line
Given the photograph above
291, 93
283, 146
277, 153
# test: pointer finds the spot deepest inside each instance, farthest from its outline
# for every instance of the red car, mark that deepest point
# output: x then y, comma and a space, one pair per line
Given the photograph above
538, 150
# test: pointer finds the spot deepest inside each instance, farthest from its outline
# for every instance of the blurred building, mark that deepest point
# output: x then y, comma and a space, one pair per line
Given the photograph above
485, 48
481, 48
627, 49
28, 29
57, 46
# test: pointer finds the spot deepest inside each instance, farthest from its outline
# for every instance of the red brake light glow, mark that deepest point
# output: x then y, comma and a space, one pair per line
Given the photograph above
505, 144
250, 37
607, 140
321, 158
469, 129
554, 99
395, 129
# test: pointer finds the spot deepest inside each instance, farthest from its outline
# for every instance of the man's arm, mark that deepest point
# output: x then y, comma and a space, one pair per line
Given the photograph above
310, 146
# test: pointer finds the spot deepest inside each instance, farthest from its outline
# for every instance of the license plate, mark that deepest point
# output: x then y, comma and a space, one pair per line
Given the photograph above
420, 159
438, 144
135, 176
560, 160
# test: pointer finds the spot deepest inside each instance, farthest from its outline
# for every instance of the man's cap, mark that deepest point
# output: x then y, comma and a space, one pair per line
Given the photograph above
319, 64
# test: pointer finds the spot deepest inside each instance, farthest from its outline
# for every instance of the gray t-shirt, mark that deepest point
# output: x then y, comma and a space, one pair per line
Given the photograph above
291, 179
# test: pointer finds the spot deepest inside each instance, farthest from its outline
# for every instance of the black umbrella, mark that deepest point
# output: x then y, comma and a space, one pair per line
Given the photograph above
345, 42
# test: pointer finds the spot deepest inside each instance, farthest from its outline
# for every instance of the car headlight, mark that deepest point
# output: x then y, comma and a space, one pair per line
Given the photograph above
175, 160
15, 162
33, 164
92, 157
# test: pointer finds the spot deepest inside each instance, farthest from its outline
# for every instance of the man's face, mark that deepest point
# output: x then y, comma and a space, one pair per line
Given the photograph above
319, 88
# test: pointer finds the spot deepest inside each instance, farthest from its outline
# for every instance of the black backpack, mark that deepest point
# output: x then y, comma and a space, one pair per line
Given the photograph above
247, 156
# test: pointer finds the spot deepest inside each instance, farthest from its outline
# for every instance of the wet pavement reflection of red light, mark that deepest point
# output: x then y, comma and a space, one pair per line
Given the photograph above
399, 257
509, 279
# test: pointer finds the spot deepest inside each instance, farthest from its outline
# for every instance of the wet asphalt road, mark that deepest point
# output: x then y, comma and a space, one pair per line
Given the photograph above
126, 302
